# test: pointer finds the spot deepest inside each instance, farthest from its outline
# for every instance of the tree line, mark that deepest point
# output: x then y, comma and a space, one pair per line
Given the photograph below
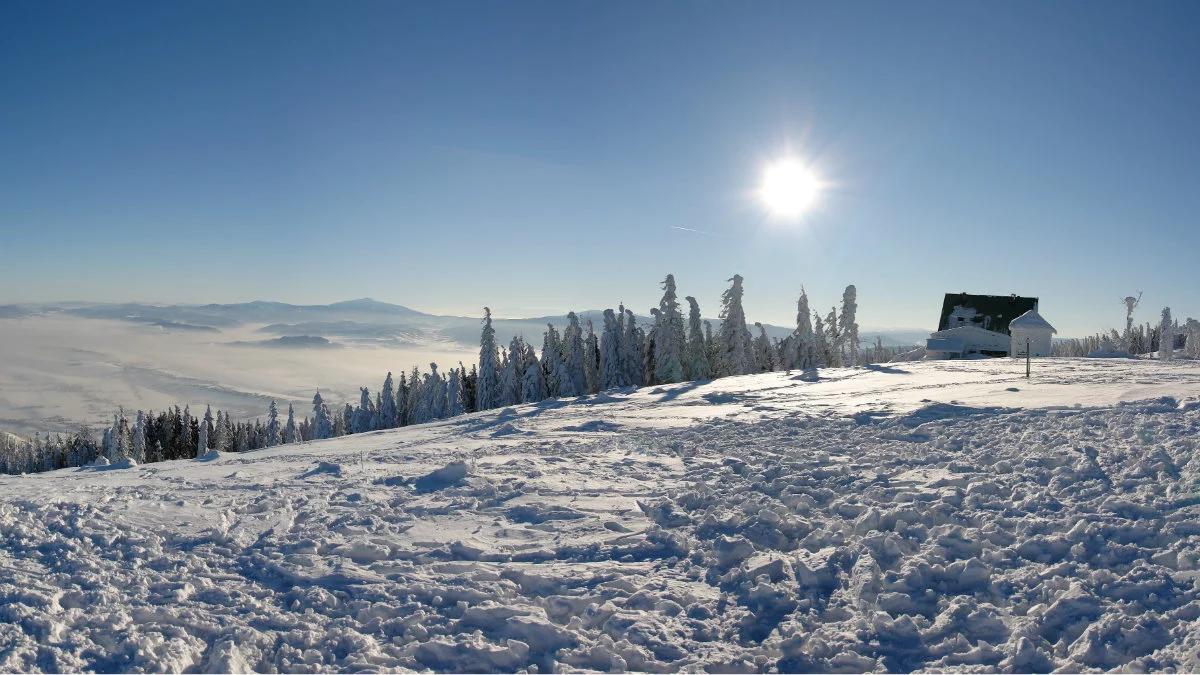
1138, 340
578, 361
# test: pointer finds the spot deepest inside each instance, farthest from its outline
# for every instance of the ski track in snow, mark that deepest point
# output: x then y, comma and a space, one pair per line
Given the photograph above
915, 516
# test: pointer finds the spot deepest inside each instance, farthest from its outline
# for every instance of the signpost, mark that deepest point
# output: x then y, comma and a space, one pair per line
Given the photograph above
1027, 358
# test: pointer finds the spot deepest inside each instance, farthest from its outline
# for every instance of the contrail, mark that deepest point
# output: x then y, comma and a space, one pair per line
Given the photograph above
688, 229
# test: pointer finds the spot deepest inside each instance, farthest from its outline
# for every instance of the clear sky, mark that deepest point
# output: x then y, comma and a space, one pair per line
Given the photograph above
545, 156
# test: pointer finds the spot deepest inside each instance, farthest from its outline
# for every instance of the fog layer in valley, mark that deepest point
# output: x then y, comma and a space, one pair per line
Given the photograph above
60, 369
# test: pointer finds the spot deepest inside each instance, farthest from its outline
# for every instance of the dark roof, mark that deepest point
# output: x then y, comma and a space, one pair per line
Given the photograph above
993, 312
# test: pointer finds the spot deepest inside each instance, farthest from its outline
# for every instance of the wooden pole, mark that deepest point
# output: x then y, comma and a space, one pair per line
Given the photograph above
1027, 358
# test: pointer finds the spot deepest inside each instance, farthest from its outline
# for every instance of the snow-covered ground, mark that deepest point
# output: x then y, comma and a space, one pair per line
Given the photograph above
945, 515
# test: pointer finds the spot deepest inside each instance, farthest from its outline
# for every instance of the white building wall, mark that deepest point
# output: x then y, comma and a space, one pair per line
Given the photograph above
1040, 342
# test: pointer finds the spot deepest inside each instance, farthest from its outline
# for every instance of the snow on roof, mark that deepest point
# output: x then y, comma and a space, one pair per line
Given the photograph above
1031, 319
968, 329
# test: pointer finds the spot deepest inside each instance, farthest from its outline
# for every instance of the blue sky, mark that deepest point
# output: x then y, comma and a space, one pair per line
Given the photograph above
544, 156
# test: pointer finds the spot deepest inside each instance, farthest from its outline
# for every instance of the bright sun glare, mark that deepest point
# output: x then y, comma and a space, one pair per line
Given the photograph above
789, 188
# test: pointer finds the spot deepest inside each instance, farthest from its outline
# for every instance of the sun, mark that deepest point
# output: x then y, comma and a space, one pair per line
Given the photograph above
789, 188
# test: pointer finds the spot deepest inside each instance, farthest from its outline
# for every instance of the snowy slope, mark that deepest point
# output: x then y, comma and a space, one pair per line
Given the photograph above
932, 515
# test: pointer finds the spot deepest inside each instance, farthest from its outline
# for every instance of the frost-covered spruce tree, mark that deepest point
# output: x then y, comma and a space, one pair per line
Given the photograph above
668, 336
633, 345
563, 378
833, 339
551, 358
322, 420
800, 344
1166, 336
291, 433
402, 393
208, 425
138, 446
230, 432
612, 374
418, 404
1131, 304
363, 414
223, 442
696, 353
511, 371
573, 353
819, 347
764, 353
241, 438
120, 438
849, 324
488, 385
591, 360
533, 385
202, 441
436, 393
187, 425
737, 355
648, 368
454, 394
387, 404
274, 431
712, 348
1191, 348
413, 396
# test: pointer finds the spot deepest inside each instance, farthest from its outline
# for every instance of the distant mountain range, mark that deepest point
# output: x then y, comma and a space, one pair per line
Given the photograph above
363, 320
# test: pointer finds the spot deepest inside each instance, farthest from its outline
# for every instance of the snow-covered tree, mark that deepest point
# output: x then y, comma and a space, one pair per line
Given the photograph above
437, 393
1131, 304
551, 360
712, 348
573, 355
737, 356
402, 393
668, 336
1166, 336
833, 340
1191, 345
363, 416
291, 433
223, 441
591, 360
138, 446
241, 437
209, 428
648, 369
511, 373
454, 394
800, 345
612, 374
202, 441
634, 345
185, 436
764, 352
416, 393
487, 386
848, 324
696, 354
533, 386
820, 347
274, 431
322, 420
119, 438
387, 404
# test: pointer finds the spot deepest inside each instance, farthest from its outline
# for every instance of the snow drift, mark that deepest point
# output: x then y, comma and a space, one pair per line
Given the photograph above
918, 516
